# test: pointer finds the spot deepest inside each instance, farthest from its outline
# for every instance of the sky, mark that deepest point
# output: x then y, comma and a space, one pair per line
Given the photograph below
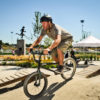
14, 14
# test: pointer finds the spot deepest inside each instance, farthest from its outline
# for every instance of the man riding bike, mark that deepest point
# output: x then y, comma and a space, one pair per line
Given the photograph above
62, 40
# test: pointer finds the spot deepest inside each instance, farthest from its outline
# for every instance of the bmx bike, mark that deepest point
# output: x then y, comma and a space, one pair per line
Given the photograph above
36, 83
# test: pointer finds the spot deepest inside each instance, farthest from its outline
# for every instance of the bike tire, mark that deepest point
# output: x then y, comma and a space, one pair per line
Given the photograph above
69, 71
31, 79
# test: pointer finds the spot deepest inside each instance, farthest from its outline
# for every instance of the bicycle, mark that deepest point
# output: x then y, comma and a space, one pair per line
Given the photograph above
38, 79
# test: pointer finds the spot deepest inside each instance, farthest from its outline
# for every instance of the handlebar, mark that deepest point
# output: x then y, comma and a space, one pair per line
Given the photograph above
39, 52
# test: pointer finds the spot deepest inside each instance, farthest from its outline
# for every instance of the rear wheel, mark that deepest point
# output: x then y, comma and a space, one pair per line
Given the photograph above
35, 85
69, 68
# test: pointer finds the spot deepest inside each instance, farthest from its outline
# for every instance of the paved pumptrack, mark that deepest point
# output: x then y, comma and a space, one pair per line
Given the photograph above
78, 88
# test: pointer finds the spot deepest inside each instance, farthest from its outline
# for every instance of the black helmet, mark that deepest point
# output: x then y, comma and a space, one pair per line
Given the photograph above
46, 18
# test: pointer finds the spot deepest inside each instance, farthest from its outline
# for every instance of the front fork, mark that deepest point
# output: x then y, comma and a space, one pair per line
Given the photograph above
38, 78
39, 73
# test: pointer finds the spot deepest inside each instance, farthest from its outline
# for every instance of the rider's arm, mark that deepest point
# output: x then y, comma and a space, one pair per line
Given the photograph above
56, 42
37, 41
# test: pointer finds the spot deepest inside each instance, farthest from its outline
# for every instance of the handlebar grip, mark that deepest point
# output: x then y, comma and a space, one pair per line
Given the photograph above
38, 52
49, 52
31, 50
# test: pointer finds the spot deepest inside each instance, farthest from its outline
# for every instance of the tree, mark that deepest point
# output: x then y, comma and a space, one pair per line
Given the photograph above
37, 25
0, 44
6, 44
85, 34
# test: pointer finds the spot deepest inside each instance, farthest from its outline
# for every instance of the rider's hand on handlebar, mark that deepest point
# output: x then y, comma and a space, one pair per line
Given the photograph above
46, 51
30, 49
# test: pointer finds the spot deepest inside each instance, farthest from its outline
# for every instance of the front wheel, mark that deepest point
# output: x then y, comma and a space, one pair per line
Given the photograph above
69, 68
35, 85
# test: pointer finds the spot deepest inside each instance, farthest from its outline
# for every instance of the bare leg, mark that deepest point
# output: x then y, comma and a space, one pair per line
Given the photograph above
60, 56
55, 59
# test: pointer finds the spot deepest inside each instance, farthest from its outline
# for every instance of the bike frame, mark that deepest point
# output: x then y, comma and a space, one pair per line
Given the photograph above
40, 53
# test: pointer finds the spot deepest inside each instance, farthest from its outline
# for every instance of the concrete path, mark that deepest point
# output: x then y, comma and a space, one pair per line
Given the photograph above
79, 88
10, 74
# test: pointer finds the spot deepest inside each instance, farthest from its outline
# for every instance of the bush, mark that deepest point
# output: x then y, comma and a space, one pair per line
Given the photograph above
88, 56
5, 53
50, 66
4, 63
24, 64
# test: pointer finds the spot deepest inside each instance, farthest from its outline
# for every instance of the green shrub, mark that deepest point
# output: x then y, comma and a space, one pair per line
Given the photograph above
83, 56
4, 63
50, 66
24, 64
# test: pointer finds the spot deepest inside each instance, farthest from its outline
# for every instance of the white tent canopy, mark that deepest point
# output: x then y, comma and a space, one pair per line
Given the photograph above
90, 41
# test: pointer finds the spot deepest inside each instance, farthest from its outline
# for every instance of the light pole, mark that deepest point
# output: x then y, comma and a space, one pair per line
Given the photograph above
12, 37
82, 21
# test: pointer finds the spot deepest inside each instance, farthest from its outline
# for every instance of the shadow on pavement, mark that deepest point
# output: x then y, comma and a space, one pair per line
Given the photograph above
82, 66
4, 90
17, 68
49, 93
